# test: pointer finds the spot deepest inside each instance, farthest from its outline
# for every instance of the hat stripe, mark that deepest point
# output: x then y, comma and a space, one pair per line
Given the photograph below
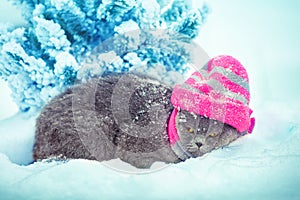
218, 87
182, 92
191, 88
200, 73
233, 87
200, 86
230, 63
231, 76
235, 83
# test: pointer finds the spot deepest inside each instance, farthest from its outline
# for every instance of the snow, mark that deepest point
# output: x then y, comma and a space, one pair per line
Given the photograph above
17, 137
7, 106
263, 165
259, 166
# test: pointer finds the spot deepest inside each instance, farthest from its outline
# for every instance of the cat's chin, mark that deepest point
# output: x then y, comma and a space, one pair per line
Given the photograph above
202, 151
197, 153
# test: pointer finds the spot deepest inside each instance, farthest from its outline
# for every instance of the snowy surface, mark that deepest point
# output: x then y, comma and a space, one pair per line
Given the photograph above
264, 165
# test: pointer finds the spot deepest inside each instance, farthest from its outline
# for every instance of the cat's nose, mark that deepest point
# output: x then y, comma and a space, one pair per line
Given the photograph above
199, 144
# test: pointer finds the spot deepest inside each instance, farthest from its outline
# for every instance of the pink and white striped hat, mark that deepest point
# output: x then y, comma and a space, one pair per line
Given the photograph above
220, 91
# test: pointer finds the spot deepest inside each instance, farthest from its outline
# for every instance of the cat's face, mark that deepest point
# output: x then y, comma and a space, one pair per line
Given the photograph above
199, 135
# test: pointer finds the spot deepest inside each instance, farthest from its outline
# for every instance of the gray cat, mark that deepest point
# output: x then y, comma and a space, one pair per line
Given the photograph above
103, 120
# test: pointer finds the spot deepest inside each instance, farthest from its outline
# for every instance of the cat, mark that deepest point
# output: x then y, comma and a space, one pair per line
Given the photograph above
97, 130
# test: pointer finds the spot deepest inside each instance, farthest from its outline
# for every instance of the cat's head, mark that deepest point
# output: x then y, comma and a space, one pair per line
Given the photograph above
200, 135
219, 90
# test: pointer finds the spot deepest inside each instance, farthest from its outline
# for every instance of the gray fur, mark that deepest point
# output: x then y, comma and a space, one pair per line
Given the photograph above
98, 127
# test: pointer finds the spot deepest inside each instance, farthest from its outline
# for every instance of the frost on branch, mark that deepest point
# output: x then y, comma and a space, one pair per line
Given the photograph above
49, 54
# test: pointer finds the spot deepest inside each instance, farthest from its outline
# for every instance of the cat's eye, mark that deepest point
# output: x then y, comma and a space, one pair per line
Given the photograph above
190, 130
212, 135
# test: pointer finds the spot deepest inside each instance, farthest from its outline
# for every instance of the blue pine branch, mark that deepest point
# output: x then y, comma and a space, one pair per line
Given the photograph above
48, 55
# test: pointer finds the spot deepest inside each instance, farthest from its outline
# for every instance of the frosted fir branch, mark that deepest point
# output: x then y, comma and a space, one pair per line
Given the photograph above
25, 76
190, 25
148, 51
71, 19
163, 3
148, 14
114, 10
36, 74
26, 7
50, 36
65, 68
48, 55
89, 7
178, 10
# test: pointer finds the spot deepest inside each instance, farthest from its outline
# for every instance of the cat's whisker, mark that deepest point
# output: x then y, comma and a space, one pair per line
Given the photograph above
189, 145
192, 149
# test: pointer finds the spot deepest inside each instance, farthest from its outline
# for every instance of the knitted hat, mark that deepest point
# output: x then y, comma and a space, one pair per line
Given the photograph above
220, 91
